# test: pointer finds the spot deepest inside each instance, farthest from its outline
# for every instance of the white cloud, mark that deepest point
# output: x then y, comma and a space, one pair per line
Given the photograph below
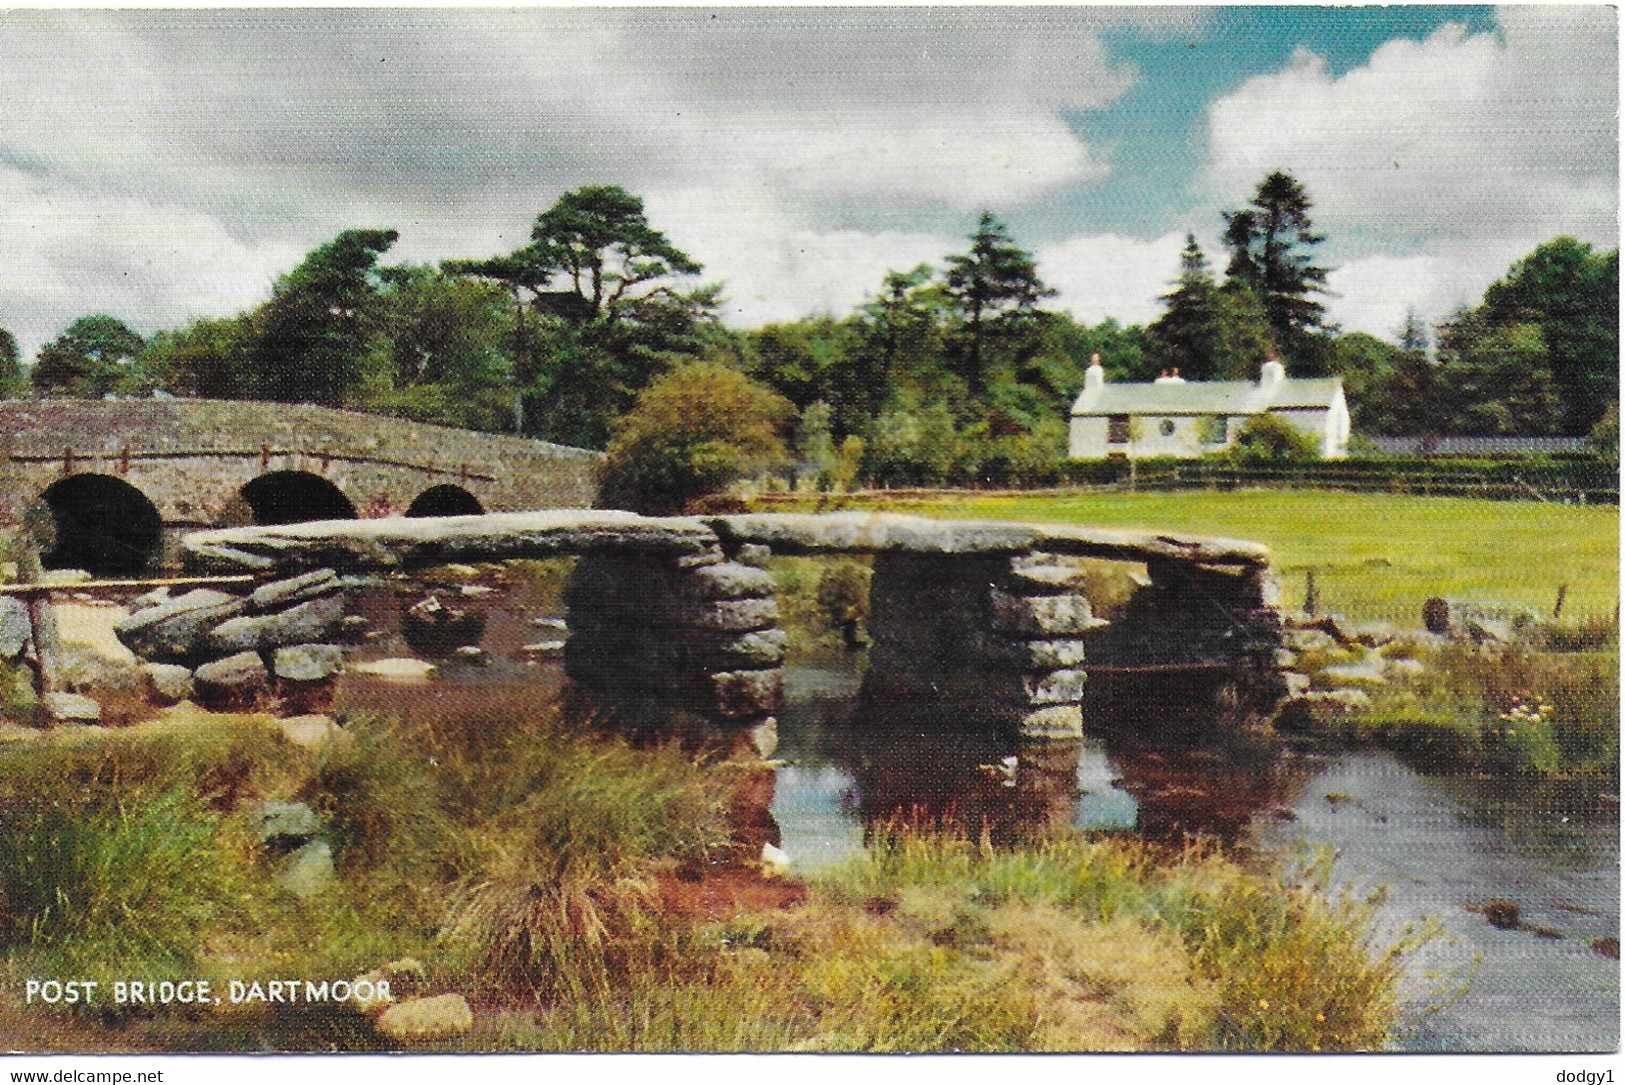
1438, 162
1111, 276
248, 134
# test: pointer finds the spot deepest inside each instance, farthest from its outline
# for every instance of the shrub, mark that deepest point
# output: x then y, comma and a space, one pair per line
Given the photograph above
691, 433
1267, 439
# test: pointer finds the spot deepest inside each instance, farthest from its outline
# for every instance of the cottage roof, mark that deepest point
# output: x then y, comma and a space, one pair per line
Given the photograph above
1207, 397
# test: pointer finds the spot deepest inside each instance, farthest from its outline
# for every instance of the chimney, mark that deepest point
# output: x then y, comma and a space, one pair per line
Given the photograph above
1272, 373
1095, 376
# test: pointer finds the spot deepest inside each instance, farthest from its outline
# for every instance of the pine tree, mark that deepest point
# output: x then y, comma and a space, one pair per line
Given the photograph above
1271, 245
995, 287
1187, 331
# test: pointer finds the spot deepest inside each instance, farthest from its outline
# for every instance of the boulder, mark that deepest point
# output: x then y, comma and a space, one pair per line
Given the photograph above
730, 615
1376, 634
729, 580
166, 683
399, 670
1436, 616
174, 631
283, 826
741, 694
237, 681
311, 732
16, 628
1365, 673
304, 623
1042, 616
308, 662
71, 708
543, 647
765, 737
558, 625
153, 598
1404, 669
1487, 631
754, 554
423, 1020
285, 593
307, 870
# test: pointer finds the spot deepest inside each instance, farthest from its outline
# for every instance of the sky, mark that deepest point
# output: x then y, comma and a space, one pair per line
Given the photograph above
163, 166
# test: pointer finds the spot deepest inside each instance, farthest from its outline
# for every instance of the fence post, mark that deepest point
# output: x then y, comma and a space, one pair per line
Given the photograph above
1557, 607
1311, 595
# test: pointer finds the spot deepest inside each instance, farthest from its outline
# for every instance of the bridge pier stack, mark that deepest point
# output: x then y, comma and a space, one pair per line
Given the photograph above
686, 644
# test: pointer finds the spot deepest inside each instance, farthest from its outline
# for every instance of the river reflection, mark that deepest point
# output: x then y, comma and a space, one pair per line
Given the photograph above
1150, 771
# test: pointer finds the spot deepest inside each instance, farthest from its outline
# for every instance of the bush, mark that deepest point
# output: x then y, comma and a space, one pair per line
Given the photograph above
691, 433
1267, 440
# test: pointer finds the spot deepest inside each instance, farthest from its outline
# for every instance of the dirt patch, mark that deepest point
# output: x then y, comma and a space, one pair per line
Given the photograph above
727, 891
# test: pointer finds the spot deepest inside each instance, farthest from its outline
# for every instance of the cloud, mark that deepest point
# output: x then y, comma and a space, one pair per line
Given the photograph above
263, 132
1437, 162
1111, 276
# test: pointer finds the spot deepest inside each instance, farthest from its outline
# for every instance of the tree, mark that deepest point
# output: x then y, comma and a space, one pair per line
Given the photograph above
1572, 295
607, 309
90, 359
12, 384
1271, 247
445, 341
1244, 340
1498, 378
208, 359
898, 343
691, 433
995, 287
1187, 332
313, 335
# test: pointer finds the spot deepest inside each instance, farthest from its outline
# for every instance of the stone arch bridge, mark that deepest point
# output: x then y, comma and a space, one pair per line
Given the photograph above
115, 474
990, 623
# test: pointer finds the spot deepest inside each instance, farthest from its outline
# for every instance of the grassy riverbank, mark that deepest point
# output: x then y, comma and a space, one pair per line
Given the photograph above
586, 894
1375, 557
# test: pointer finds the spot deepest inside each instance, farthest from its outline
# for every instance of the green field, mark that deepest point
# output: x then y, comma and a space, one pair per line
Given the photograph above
1375, 556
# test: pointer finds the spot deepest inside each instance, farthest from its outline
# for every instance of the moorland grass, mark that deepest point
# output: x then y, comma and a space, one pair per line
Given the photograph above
1375, 557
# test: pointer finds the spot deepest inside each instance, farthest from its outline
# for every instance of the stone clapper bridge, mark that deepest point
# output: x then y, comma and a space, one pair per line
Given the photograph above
985, 624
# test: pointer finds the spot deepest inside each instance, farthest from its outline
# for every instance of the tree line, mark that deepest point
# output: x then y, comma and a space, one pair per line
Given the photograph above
950, 373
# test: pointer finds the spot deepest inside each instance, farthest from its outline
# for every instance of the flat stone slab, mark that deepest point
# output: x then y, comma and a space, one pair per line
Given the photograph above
399, 542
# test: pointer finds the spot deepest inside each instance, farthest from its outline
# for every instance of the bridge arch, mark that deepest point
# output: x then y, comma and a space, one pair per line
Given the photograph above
295, 497
103, 525
445, 500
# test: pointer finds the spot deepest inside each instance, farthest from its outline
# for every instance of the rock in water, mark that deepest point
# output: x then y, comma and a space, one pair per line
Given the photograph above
286, 825
307, 870
311, 732
399, 670
236, 681
166, 683
173, 632
306, 623
308, 662
285, 593
71, 708
423, 1020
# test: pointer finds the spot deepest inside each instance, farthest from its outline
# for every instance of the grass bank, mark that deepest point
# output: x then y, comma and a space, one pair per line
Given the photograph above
1376, 557
586, 894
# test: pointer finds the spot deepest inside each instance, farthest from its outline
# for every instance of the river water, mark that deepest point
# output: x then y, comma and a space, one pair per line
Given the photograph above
1438, 847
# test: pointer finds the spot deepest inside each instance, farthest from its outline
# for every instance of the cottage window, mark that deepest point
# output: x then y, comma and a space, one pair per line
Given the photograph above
1218, 431
1167, 427
1117, 429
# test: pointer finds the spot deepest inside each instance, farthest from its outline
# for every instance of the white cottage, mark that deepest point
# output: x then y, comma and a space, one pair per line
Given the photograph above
1171, 416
